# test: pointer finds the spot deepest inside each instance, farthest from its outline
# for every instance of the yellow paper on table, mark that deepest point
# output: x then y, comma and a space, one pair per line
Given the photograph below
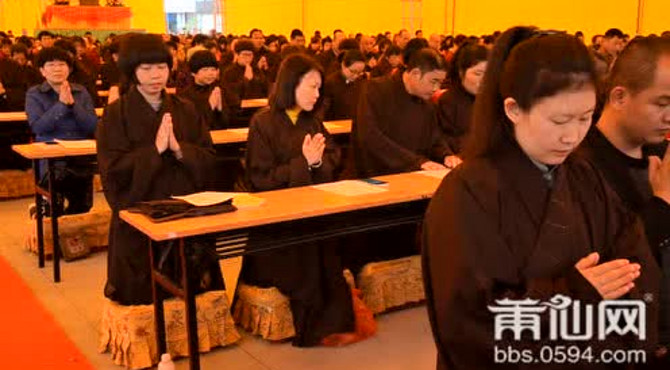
351, 188
208, 198
438, 174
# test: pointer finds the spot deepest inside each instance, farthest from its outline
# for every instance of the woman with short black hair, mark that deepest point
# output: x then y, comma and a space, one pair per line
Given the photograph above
288, 146
151, 146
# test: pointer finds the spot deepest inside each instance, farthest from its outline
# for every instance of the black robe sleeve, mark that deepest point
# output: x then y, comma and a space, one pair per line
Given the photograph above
439, 146
468, 265
265, 171
198, 154
126, 171
330, 160
373, 140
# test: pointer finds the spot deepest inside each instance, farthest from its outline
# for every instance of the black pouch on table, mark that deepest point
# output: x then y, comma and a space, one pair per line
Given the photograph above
173, 209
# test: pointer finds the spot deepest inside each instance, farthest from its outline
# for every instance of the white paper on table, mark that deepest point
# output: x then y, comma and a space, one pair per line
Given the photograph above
208, 198
77, 144
438, 174
351, 188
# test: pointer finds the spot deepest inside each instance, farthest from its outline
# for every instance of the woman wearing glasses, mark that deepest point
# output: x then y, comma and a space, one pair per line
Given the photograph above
342, 87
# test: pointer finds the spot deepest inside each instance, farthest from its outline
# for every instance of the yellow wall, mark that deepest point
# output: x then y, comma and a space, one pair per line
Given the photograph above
352, 16
147, 15
655, 16
471, 16
373, 16
17, 15
272, 16
591, 17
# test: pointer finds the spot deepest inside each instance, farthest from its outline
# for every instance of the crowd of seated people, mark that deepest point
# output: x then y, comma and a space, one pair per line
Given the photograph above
412, 101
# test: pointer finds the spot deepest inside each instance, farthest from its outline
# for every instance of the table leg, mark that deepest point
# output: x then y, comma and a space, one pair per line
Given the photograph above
157, 292
39, 214
55, 212
191, 310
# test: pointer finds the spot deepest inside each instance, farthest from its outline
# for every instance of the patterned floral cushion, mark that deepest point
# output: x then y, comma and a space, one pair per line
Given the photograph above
89, 229
390, 284
264, 311
128, 331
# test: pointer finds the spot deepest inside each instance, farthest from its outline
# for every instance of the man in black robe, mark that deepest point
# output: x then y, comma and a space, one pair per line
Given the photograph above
396, 128
627, 142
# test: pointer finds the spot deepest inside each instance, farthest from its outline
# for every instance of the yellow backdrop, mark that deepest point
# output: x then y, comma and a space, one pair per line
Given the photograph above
471, 16
373, 16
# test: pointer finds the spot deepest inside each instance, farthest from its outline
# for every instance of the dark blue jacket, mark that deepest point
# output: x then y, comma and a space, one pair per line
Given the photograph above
50, 119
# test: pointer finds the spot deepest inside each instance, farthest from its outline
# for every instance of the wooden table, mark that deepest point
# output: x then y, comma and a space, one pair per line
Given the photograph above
288, 217
239, 135
22, 116
254, 103
48, 152
51, 152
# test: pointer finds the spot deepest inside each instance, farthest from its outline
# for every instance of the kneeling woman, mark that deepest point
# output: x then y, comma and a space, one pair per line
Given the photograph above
521, 219
149, 148
288, 146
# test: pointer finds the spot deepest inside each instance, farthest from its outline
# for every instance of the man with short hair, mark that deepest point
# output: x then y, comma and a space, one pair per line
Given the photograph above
297, 38
628, 144
257, 38
58, 109
610, 46
396, 129
16, 76
46, 38
403, 38
328, 57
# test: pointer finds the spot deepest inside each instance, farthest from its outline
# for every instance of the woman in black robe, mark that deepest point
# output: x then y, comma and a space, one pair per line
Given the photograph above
343, 87
150, 147
288, 146
520, 219
206, 92
454, 107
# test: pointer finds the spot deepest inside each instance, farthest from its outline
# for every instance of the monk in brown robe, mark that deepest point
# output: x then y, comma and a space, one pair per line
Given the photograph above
396, 128
394, 131
519, 219
150, 147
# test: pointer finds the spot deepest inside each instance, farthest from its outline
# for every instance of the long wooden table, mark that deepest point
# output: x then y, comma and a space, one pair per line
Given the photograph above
287, 218
52, 152
254, 103
22, 116
239, 135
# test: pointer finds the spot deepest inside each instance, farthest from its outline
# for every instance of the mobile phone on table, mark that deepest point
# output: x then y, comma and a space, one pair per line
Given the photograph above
375, 181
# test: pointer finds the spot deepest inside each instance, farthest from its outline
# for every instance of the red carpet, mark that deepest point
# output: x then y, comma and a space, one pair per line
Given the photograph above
29, 336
